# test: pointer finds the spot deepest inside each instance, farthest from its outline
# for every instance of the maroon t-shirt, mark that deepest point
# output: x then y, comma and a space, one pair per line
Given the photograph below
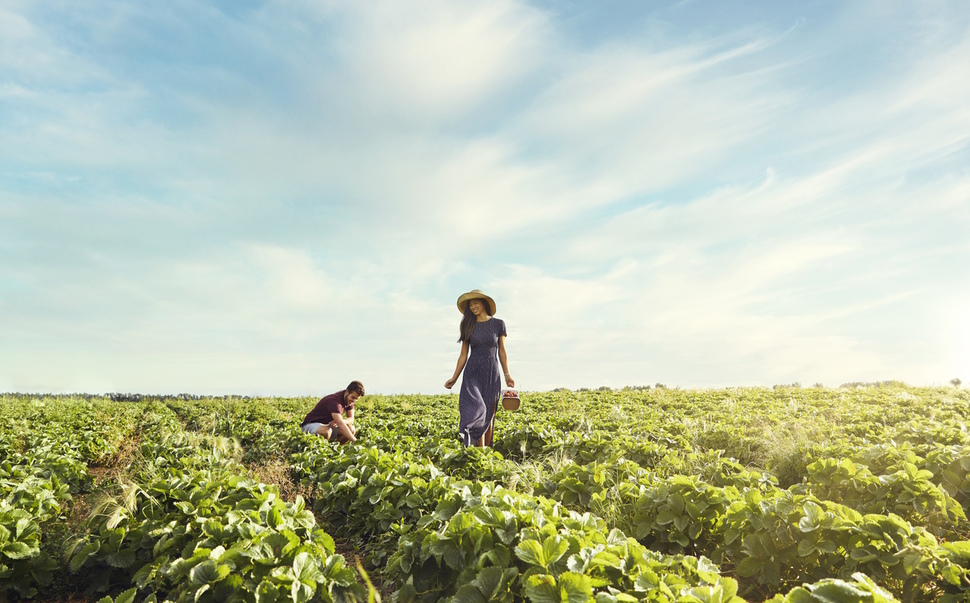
323, 411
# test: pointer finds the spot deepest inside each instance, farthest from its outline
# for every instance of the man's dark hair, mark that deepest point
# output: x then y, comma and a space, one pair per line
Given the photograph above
355, 386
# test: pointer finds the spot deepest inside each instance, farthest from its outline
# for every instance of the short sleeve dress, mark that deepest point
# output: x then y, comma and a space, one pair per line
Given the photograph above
481, 385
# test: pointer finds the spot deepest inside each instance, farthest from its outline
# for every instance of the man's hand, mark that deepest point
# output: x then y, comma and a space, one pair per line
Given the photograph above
344, 431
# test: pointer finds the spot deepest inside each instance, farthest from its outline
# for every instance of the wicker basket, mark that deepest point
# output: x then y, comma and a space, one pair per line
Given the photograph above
510, 399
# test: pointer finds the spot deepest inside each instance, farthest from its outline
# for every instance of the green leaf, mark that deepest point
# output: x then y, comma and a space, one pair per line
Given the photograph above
213, 527
81, 556
666, 516
301, 592
694, 531
676, 503
123, 558
911, 561
839, 591
542, 588
531, 552
577, 564
469, 593
749, 566
148, 572
127, 597
952, 574
810, 521
709, 572
305, 568
18, 550
274, 518
570, 588
960, 548
267, 592
553, 548
806, 547
491, 580
449, 551
24, 525
202, 590
577, 588
185, 507
208, 572
827, 546
722, 592
799, 594
271, 548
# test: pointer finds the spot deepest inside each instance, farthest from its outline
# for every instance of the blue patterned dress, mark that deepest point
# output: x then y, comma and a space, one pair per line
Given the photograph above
482, 384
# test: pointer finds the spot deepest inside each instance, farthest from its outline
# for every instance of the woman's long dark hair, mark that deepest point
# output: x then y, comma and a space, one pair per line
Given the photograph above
468, 320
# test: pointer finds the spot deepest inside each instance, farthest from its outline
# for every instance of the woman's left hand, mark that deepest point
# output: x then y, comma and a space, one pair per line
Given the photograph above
509, 382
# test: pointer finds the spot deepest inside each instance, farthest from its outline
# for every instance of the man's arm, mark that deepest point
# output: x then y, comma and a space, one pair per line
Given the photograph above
345, 429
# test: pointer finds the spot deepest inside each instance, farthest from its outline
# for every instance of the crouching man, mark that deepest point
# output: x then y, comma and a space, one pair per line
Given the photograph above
328, 418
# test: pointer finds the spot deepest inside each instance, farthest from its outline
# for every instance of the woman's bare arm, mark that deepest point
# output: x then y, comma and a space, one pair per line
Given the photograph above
462, 358
503, 358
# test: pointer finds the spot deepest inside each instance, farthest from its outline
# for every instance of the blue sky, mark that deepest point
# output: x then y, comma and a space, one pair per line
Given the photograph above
277, 197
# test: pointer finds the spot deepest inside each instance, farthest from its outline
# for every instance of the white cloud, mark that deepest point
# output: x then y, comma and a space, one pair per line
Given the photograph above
292, 276
435, 59
684, 214
642, 121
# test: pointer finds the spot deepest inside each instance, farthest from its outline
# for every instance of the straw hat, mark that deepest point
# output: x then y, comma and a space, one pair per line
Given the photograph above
475, 294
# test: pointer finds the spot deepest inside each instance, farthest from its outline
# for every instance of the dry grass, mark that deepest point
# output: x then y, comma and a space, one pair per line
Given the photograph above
118, 464
784, 447
279, 474
528, 477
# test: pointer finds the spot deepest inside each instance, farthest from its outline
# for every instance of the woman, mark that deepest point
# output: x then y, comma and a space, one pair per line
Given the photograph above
481, 336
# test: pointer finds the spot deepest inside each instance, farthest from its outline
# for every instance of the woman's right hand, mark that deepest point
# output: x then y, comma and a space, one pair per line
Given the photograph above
449, 383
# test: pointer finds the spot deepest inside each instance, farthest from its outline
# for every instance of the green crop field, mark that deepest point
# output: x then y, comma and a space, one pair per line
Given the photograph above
784, 494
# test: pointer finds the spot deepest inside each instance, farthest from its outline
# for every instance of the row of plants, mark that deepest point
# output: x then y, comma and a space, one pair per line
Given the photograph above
182, 521
722, 510
44, 453
662, 457
190, 524
791, 494
775, 539
436, 536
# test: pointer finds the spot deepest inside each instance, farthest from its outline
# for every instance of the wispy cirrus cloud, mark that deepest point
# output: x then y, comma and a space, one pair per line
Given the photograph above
257, 197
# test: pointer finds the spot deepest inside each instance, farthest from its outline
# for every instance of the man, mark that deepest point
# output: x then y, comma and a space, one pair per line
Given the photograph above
327, 417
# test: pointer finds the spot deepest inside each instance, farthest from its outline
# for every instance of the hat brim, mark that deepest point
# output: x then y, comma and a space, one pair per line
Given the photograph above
475, 294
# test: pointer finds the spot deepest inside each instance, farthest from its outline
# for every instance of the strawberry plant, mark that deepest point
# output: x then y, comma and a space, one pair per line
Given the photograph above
860, 588
531, 548
874, 510
211, 536
681, 513
784, 539
23, 565
905, 490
